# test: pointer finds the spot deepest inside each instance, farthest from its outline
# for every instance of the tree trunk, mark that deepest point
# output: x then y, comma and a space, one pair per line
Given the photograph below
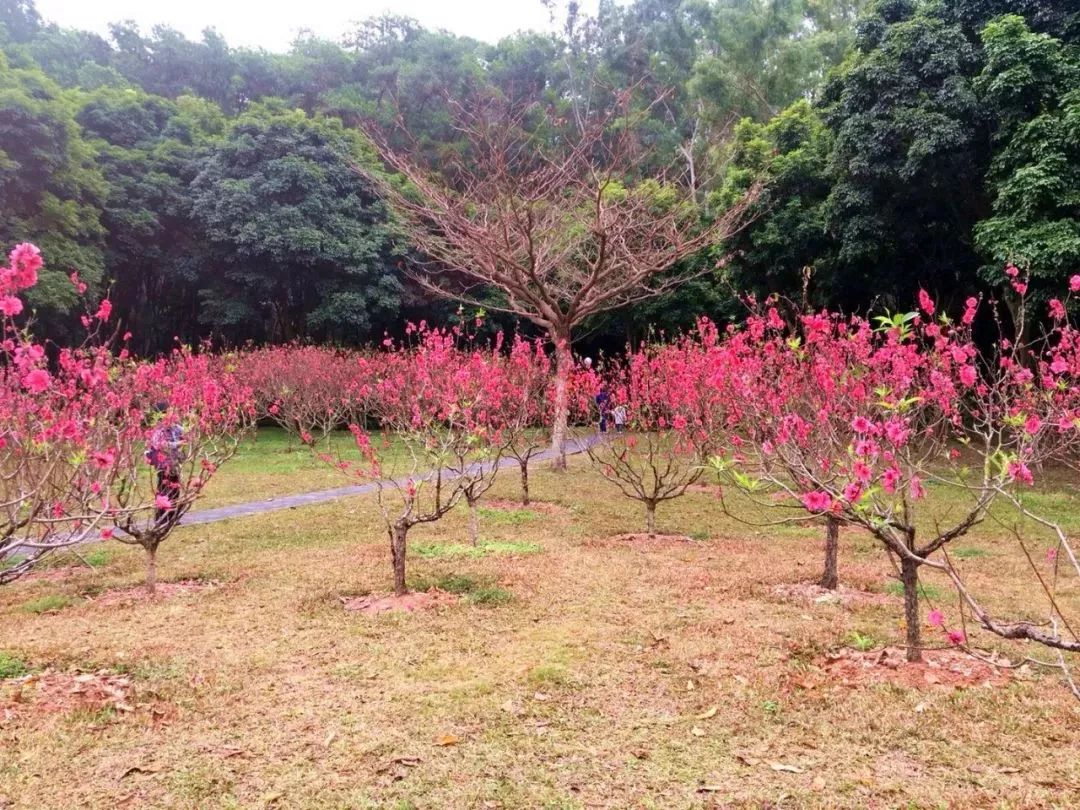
909, 576
650, 518
397, 555
151, 569
474, 522
561, 416
524, 464
829, 578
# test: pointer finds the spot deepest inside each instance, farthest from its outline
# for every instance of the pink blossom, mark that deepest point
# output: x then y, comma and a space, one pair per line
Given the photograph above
1051, 555
956, 637
1020, 287
10, 305
37, 381
860, 424
1032, 425
1059, 366
25, 262
1074, 283
968, 375
163, 502
1018, 471
896, 431
890, 479
926, 303
817, 501
106, 534
936, 618
852, 492
970, 307
104, 310
916, 489
1057, 309
1011, 271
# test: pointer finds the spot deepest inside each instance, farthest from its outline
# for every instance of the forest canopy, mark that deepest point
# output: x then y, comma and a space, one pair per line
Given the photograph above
214, 191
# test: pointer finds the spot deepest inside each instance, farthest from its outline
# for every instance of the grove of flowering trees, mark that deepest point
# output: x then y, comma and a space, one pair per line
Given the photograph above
813, 415
96, 445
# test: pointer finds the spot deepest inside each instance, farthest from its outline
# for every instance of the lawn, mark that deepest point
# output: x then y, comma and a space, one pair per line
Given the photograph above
573, 671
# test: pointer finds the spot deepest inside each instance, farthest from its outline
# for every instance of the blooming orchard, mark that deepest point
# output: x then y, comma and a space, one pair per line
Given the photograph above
58, 461
442, 409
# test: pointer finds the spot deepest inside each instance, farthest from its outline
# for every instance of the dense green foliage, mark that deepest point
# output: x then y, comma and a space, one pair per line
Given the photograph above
906, 143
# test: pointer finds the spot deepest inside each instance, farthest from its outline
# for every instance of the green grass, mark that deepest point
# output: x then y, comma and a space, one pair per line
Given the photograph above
490, 595
550, 675
477, 590
896, 588
969, 552
11, 666
863, 642
272, 463
98, 558
484, 548
53, 603
506, 517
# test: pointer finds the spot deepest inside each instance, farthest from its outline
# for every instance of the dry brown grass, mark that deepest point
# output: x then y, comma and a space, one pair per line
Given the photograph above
656, 675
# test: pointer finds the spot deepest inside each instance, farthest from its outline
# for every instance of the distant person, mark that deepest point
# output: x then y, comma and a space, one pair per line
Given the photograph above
164, 454
618, 415
603, 401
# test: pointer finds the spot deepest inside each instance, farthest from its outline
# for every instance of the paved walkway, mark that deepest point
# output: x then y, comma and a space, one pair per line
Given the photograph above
573, 447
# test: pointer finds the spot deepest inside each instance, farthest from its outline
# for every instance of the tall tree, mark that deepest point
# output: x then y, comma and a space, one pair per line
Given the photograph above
51, 188
1031, 87
788, 239
543, 217
301, 244
148, 148
909, 135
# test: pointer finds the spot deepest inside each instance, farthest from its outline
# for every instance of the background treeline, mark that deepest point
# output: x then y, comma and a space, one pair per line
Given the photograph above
213, 190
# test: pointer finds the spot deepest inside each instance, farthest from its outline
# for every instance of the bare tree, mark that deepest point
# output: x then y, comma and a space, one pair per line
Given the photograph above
546, 221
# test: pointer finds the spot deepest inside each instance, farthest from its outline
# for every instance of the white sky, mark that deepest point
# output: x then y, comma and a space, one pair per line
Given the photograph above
273, 24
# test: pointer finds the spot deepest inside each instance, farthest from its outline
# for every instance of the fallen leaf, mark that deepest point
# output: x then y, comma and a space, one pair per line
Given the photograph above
329, 739
785, 768
541, 696
137, 769
705, 715
690, 686
408, 762
697, 732
920, 708
818, 783
447, 739
710, 788
747, 760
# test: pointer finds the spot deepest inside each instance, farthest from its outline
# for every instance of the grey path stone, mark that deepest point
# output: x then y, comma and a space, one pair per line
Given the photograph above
239, 510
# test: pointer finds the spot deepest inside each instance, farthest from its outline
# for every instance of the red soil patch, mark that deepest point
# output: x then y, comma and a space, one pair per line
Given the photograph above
950, 669
66, 692
409, 603
52, 574
165, 590
640, 540
812, 593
